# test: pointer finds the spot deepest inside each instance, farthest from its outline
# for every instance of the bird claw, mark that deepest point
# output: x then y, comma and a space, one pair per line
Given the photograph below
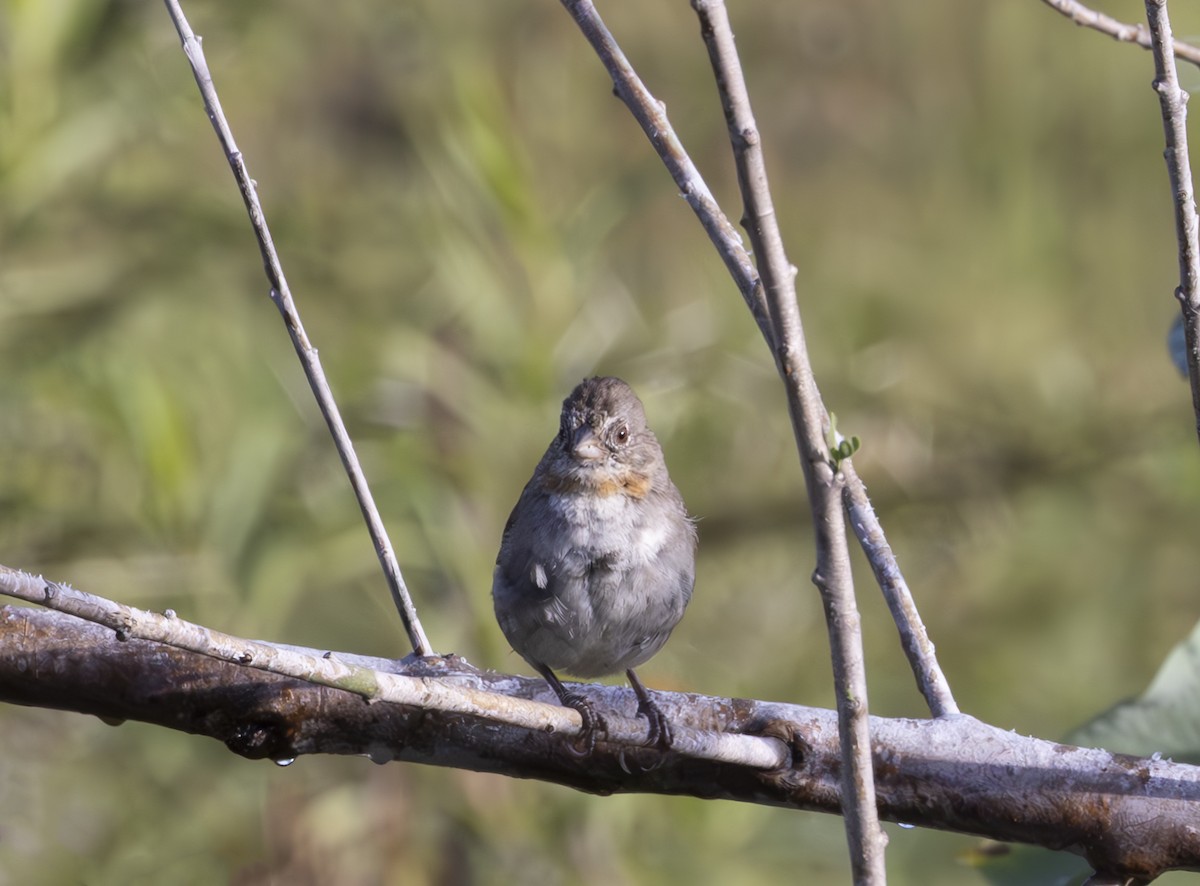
658, 734
660, 730
593, 723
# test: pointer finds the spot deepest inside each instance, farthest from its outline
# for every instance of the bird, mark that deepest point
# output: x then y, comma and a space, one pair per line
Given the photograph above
597, 560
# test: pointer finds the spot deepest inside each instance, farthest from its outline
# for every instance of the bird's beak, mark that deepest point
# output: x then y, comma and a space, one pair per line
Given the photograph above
585, 446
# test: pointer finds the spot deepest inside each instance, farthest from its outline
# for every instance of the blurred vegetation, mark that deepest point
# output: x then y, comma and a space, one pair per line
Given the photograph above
974, 195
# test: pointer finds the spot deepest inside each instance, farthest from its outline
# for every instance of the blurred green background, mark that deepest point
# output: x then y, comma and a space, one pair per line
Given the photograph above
975, 198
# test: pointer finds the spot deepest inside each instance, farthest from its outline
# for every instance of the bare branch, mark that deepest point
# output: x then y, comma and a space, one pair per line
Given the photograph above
132, 623
652, 115
833, 575
282, 297
1125, 33
649, 113
1173, 102
918, 648
1128, 817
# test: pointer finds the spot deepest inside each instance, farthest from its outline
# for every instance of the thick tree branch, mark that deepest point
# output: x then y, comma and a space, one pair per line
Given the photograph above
1173, 103
131, 623
281, 295
1127, 816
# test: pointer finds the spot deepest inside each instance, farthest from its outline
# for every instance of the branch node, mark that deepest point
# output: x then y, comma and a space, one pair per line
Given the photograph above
790, 733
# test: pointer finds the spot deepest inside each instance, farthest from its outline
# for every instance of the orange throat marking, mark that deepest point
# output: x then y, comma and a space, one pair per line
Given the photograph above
633, 484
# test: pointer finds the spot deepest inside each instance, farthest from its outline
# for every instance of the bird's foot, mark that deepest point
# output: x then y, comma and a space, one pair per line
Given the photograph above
593, 723
660, 730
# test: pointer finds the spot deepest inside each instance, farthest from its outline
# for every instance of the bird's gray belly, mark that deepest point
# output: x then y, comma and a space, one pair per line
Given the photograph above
599, 619
611, 600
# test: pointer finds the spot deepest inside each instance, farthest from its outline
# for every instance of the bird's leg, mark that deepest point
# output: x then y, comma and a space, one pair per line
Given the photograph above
660, 729
592, 721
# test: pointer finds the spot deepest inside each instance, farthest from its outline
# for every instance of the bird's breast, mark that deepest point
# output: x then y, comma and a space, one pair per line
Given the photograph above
611, 528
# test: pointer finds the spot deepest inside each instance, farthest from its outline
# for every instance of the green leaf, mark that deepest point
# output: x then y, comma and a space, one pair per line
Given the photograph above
1165, 719
840, 448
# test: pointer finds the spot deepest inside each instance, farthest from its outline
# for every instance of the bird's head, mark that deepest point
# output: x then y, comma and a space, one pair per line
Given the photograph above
603, 443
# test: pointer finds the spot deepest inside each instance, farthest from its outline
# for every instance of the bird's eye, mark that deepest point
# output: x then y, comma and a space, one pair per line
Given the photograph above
622, 433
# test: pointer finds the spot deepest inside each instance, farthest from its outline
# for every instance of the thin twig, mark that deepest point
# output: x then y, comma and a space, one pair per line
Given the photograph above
131, 623
918, 648
648, 111
809, 421
282, 297
652, 115
1173, 102
1118, 30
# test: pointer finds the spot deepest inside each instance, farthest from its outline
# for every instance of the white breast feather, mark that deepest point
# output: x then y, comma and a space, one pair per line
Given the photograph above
599, 512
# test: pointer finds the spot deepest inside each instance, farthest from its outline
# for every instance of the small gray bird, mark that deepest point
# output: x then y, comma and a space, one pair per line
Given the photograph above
598, 557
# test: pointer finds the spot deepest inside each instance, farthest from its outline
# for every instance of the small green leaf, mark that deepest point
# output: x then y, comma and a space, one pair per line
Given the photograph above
840, 448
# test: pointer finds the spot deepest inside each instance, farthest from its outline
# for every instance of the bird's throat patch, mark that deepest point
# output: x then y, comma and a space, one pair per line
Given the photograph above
632, 484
